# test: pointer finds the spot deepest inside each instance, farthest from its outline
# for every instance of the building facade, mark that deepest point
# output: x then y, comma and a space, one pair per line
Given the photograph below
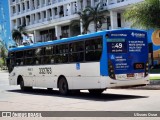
51, 19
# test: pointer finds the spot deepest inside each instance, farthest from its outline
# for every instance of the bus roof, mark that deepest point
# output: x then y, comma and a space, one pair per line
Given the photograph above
65, 40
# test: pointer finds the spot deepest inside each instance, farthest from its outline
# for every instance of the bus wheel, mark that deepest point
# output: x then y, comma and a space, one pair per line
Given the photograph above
96, 91
49, 89
63, 86
77, 92
23, 88
22, 84
29, 88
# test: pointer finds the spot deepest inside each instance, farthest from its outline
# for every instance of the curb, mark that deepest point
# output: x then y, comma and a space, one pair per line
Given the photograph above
154, 82
154, 85
148, 87
3, 71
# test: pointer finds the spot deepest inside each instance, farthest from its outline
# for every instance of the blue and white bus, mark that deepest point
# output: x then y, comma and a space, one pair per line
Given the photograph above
94, 62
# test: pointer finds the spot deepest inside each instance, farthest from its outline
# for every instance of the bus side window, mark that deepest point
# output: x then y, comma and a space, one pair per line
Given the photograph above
39, 52
93, 49
11, 61
53, 54
48, 50
61, 53
29, 54
48, 55
19, 58
76, 52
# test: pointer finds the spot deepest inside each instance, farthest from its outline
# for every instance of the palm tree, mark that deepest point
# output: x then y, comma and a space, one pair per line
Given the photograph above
85, 20
17, 33
144, 15
96, 15
88, 15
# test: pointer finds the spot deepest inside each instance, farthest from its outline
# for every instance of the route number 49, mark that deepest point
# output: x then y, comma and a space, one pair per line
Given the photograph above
118, 45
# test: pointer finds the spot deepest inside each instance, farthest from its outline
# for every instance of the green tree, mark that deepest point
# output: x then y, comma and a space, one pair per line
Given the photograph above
1, 62
144, 15
17, 33
88, 15
3, 54
96, 15
85, 20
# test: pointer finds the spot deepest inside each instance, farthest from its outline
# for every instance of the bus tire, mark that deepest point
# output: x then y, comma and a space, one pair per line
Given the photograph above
96, 91
24, 88
75, 91
22, 84
49, 89
28, 88
63, 86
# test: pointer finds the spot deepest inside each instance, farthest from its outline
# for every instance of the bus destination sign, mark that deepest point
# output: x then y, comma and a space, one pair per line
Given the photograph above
116, 46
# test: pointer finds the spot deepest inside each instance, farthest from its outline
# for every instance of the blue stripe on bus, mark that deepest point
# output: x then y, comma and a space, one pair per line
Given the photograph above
65, 40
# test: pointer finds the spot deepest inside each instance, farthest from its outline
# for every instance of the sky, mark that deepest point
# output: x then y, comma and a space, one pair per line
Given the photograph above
5, 33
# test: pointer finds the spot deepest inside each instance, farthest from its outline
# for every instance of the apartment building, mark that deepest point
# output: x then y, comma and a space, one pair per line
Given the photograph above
51, 19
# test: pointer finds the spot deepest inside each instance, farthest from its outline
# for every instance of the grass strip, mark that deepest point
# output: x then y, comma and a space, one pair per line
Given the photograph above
154, 78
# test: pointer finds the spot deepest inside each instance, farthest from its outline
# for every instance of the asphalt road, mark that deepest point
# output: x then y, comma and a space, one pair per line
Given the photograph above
13, 99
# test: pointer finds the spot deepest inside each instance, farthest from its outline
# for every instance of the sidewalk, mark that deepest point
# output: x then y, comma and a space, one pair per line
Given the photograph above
154, 83
3, 71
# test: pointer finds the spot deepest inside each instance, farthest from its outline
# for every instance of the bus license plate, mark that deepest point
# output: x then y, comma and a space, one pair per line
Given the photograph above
130, 75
